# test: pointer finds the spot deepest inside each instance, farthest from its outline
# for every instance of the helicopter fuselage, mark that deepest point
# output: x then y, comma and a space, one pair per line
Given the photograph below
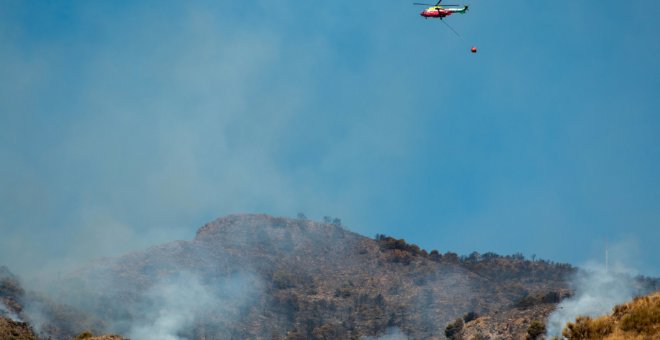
441, 12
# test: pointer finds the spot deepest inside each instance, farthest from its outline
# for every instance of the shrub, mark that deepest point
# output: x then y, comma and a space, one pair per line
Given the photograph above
391, 243
551, 297
399, 256
526, 302
451, 257
637, 319
84, 335
642, 320
586, 328
282, 280
470, 316
535, 330
453, 329
435, 255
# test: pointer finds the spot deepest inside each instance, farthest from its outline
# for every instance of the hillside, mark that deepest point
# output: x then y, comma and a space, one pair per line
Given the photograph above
11, 296
637, 319
257, 276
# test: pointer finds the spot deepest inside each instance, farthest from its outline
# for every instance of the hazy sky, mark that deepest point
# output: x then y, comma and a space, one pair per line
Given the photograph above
125, 124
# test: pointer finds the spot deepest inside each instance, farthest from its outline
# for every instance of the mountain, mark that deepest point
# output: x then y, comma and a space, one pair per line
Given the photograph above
258, 276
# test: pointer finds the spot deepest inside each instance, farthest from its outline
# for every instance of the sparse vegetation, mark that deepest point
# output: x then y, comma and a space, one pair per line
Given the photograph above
13, 330
585, 327
317, 280
642, 316
639, 318
528, 301
391, 243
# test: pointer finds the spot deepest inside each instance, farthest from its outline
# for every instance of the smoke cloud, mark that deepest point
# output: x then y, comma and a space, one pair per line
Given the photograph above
161, 127
174, 305
596, 293
598, 288
5, 312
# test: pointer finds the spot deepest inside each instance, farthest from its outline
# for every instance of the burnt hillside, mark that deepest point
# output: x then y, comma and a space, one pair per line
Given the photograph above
258, 276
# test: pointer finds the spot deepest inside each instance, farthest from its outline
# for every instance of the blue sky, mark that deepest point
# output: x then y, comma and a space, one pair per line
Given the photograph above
126, 124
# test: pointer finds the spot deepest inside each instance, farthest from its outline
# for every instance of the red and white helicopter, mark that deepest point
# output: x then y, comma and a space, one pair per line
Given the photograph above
437, 11
440, 12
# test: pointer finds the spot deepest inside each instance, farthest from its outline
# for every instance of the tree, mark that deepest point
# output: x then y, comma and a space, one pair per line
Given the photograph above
435, 255
474, 257
450, 257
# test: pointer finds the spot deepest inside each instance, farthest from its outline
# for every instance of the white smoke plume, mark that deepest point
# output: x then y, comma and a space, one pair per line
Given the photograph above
175, 304
598, 289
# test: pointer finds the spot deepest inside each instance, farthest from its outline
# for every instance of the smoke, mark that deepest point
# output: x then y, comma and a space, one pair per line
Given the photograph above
37, 315
224, 113
5, 312
174, 305
599, 288
393, 333
596, 292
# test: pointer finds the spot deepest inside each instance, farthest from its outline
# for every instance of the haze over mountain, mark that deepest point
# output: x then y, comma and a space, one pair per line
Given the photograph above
257, 276
126, 125
133, 124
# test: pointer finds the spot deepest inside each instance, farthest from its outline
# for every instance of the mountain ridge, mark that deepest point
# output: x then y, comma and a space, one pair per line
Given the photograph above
277, 277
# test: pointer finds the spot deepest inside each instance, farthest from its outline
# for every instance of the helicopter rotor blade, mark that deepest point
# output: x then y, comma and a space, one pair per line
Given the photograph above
423, 4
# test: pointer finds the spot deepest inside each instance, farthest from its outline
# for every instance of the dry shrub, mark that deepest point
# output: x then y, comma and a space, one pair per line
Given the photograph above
644, 317
84, 335
639, 319
585, 327
536, 329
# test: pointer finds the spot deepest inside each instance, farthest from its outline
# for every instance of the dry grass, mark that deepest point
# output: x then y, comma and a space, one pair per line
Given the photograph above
638, 319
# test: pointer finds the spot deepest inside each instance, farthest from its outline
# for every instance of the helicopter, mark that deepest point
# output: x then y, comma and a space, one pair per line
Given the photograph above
437, 11
440, 12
